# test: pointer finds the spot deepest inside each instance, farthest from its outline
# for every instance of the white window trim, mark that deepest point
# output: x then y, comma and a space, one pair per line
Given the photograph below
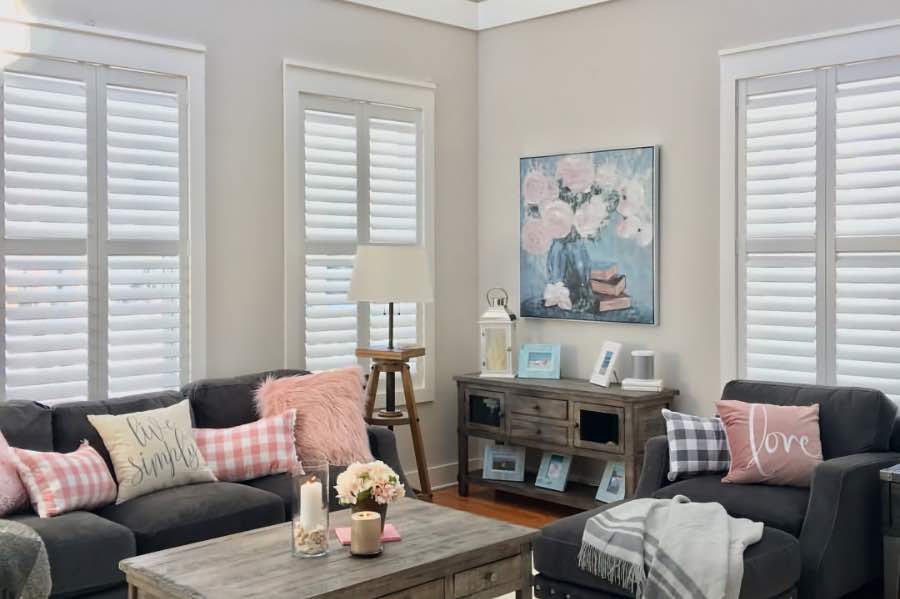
842, 46
305, 78
28, 37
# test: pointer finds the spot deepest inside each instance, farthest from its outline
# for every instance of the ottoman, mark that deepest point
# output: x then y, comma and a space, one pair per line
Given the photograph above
771, 566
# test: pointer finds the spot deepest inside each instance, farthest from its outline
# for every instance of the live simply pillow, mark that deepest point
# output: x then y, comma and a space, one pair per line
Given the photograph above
152, 450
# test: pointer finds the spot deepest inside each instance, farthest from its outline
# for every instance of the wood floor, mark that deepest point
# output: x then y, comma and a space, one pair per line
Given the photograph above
502, 506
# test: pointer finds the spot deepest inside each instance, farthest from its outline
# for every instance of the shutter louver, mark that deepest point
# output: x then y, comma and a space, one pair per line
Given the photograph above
868, 157
46, 328
393, 185
142, 164
781, 317
781, 164
331, 321
868, 321
331, 177
45, 157
145, 327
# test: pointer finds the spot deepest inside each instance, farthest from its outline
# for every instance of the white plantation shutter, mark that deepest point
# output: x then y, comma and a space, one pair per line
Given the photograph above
94, 235
361, 184
820, 155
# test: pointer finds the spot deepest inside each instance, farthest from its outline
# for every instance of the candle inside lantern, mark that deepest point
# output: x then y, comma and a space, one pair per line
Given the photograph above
365, 533
312, 512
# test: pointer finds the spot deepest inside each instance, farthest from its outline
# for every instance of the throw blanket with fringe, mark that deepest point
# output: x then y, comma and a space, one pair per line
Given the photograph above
24, 569
669, 548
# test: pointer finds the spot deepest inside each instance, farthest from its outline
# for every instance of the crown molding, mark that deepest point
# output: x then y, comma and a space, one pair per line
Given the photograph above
477, 16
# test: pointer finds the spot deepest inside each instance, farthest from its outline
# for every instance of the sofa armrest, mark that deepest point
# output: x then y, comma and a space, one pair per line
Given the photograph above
383, 444
841, 536
656, 467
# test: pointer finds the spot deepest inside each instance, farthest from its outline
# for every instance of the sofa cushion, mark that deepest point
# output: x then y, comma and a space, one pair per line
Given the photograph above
84, 550
191, 513
783, 508
280, 485
27, 425
851, 420
228, 402
71, 426
770, 566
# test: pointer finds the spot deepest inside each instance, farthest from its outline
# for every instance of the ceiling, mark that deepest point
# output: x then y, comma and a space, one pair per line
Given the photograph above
477, 14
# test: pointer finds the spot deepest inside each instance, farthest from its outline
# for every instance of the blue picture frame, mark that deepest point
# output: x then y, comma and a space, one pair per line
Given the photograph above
539, 361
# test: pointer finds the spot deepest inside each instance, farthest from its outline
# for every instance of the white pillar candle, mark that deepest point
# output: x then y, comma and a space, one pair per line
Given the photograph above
365, 533
312, 512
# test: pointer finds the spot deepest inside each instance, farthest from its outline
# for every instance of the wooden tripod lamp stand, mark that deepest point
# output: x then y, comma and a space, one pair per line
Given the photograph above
388, 274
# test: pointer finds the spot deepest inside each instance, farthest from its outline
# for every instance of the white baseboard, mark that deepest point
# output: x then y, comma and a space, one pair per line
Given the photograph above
443, 475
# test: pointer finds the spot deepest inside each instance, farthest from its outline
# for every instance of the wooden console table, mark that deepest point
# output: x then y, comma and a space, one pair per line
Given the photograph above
570, 416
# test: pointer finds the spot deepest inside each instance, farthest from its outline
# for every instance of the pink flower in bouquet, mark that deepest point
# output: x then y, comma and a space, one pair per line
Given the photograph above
576, 172
557, 216
536, 239
631, 199
374, 480
539, 188
591, 217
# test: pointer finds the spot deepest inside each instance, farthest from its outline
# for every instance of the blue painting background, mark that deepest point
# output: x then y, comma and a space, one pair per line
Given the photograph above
633, 260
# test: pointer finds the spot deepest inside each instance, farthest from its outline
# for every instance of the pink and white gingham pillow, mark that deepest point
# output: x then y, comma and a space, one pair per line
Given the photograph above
63, 482
251, 450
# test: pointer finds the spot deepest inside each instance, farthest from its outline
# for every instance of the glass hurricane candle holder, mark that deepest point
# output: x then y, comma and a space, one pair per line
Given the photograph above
309, 524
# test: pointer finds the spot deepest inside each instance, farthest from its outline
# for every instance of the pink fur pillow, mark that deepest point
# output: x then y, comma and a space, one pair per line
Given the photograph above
330, 408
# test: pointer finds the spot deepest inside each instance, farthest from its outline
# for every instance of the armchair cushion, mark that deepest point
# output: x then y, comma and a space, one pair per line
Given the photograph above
783, 508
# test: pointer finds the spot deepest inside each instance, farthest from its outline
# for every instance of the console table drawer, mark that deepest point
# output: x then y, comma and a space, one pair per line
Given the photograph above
533, 406
486, 577
539, 431
429, 590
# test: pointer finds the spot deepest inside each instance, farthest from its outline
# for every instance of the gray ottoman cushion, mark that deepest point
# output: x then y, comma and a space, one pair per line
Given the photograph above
24, 568
771, 566
83, 548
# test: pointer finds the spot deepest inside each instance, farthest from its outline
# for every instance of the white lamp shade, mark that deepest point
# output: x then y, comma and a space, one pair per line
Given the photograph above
391, 273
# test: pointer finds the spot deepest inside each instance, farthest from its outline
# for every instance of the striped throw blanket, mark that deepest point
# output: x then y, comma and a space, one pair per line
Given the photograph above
669, 548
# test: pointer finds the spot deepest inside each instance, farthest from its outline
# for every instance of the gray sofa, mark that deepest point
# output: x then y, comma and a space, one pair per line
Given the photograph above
85, 548
828, 535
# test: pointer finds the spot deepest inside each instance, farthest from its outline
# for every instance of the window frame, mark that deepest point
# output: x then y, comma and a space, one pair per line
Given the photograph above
119, 58
787, 58
332, 85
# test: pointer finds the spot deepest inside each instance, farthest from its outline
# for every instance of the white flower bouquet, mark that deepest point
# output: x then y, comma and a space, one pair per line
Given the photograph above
367, 483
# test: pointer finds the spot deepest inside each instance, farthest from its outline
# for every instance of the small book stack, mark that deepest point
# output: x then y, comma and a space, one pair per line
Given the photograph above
642, 385
609, 289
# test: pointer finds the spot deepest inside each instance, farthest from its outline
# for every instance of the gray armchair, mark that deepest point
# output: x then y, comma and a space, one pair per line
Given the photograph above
838, 519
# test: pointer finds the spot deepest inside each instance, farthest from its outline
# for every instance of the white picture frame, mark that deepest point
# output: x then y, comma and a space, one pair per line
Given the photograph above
605, 366
504, 462
612, 485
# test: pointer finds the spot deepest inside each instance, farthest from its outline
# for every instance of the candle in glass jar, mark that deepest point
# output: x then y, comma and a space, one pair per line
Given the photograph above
365, 533
312, 512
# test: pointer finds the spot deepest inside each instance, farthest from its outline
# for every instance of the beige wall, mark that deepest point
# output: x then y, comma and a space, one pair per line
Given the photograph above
246, 42
626, 73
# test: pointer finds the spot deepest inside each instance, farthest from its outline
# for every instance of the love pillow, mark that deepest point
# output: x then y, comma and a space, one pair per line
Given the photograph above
771, 444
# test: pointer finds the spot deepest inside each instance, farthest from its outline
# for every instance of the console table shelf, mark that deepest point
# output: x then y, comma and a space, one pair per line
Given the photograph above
569, 416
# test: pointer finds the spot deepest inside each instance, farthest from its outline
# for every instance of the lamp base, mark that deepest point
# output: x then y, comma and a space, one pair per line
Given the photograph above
390, 414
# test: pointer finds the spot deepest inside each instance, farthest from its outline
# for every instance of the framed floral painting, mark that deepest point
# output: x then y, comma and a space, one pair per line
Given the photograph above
589, 236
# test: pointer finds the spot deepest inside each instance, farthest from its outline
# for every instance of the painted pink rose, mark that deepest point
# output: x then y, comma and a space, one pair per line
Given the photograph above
538, 188
631, 199
576, 172
557, 216
591, 217
536, 239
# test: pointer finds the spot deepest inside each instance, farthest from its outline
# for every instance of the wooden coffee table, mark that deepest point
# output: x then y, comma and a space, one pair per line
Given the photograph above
444, 554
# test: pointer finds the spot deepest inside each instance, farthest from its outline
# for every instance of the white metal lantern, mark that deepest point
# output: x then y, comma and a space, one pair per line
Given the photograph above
498, 336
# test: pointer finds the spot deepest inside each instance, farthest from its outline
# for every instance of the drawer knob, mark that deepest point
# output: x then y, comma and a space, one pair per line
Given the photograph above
491, 576
537, 408
537, 432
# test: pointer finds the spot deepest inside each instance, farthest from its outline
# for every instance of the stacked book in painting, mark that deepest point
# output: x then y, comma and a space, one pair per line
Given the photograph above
609, 289
642, 385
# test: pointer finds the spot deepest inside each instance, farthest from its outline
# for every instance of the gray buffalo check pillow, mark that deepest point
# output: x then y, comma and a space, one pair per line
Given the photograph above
695, 444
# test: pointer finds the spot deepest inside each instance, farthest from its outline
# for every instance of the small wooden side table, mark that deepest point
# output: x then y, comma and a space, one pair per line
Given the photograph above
390, 362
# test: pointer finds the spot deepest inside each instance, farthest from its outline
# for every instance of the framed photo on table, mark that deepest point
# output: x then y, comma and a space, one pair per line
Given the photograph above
554, 471
504, 462
612, 485
606, 364
539, 361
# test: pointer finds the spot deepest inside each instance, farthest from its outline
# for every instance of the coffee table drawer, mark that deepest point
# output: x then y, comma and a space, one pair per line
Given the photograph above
485, 577
535, 406
429, 590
